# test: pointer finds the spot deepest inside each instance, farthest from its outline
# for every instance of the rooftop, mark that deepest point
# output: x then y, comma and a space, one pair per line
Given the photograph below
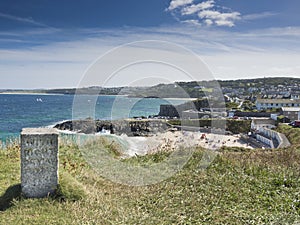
290, 109
267, 100
263, 121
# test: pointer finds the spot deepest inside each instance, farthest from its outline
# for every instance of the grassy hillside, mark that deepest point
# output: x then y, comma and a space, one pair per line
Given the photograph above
252, 187
293, 134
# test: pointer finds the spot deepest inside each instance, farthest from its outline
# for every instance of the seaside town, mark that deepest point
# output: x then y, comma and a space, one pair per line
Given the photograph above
150, 112
248, 118
248, 135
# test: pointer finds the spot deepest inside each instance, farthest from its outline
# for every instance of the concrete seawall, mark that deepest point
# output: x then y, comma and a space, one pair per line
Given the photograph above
272, 138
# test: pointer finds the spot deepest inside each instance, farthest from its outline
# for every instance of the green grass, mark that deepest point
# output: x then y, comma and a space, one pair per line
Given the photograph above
250, 187
293, 134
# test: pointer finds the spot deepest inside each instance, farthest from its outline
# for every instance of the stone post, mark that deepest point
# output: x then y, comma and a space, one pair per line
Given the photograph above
39, 162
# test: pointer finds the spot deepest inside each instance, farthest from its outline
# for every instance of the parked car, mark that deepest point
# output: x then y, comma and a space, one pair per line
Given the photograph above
295, 123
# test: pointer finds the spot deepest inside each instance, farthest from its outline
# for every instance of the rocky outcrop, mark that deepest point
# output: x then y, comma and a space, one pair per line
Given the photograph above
85, 126
131, 127
176, 111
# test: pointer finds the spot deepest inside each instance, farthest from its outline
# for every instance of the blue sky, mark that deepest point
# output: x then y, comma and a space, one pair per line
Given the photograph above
46, 44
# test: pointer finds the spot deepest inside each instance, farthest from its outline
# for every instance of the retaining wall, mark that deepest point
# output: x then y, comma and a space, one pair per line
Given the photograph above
272, 138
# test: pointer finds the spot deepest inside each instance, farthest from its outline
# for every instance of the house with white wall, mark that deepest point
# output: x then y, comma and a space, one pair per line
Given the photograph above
293, 113
258, 124
276, 103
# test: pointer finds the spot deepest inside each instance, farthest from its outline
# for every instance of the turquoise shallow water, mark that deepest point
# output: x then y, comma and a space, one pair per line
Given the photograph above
19, 111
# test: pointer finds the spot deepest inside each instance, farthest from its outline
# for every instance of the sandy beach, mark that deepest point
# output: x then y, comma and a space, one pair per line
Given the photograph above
169, 141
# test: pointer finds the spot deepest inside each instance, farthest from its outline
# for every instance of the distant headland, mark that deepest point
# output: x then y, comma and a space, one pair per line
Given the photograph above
192, 89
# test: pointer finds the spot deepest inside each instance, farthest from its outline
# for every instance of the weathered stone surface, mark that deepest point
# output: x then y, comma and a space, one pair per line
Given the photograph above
39, 162
131, 127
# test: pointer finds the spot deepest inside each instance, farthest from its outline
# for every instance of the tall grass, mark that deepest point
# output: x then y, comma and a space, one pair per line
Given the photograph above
9, 142
293, 134
250, 187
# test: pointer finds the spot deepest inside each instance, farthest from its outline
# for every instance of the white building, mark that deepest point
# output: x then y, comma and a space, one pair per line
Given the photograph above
258, 124
293, 113
276, 103
295, 96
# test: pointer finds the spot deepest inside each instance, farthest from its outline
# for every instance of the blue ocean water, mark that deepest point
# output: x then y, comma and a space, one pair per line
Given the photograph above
32, 110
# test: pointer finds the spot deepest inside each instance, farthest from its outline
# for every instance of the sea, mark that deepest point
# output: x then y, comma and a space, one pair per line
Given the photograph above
18, 111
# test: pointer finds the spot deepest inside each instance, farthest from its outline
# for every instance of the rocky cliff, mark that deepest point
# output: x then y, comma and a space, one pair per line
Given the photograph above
176, 111
131, 127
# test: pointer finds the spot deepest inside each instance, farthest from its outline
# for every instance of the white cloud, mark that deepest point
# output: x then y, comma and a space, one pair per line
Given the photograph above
220, 19
230, 55
206, 12
259, 15
209, 13
226, 23
22, 19
179, 3
252, 65
193, 22
215, 15
208, 22
188, 10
